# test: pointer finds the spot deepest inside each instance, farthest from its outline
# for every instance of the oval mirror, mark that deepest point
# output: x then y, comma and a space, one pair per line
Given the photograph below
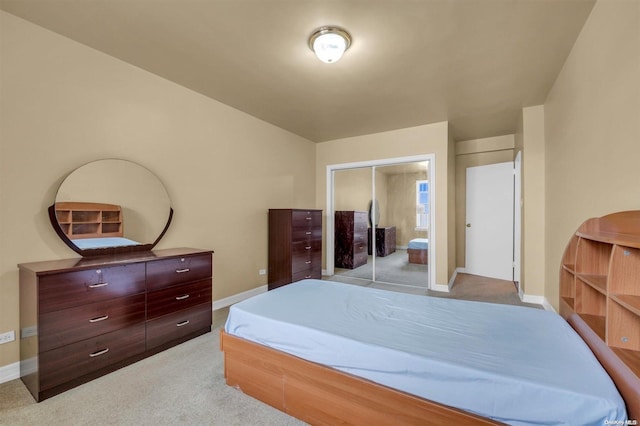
111, 206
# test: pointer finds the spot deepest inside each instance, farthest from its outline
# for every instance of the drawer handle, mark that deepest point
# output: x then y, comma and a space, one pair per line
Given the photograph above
307, 248
98, 353
308, 218
308, 262
98, 319
186, 296
308, 276
308, 233
180, 271
180, 324
98, 285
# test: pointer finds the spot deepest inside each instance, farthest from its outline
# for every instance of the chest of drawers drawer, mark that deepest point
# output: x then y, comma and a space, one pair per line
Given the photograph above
69, 362
176, 298
65, 290
168, 272
74, 324
178, 324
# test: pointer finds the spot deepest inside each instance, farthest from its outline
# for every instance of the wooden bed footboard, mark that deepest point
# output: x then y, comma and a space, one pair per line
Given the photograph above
419, 256
321, 395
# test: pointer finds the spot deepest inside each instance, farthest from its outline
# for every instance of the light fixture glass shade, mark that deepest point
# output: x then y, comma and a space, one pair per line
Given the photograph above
329, 43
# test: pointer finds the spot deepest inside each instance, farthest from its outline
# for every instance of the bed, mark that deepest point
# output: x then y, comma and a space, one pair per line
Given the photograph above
329, 353
90, 225
418, 251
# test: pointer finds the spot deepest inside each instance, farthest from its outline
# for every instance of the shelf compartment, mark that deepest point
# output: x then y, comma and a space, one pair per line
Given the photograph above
625, 271
110, 216
84, 229
85, 216
569, 256
623, 328
567, 285
598, 323
63, 216
597, 282
589, 299
629, 302
111, 228
592, 257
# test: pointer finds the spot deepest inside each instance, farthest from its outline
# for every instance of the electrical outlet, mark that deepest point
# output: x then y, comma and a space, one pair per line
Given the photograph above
7, 337
262, 272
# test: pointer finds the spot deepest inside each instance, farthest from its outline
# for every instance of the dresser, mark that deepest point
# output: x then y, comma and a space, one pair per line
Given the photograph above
385, 241
83, 318
350, 242
295, 246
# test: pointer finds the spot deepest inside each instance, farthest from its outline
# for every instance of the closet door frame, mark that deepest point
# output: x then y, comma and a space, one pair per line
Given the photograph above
330, 225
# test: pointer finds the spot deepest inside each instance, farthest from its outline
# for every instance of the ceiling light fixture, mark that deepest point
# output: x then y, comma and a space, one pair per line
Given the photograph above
329, 43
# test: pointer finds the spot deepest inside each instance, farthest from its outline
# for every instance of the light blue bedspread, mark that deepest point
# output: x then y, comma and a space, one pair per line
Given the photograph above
90, 243
514, 364
419, 243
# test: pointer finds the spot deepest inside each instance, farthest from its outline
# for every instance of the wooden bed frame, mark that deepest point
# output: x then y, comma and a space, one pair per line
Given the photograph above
419, 256
321, 395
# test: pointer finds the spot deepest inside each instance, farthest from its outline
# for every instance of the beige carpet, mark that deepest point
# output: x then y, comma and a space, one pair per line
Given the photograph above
181, 386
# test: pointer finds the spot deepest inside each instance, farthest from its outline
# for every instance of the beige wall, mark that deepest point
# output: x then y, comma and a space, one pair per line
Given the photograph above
592, 129
64, 104
533, 201
473, 153
352, 190
421, 140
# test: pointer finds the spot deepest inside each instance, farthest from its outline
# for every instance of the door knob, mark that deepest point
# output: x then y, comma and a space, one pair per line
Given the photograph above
468, 225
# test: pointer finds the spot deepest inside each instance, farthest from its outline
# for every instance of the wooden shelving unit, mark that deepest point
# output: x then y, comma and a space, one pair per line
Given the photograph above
600, 282
89, 220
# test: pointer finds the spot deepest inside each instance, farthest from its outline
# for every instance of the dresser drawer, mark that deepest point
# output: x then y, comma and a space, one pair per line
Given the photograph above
178, 324
314, 273
69, 362
176, 298
72, 325
178, 270
65, 290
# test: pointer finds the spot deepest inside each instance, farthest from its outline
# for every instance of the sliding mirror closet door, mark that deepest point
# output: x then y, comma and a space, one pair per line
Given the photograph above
381, 228
398, 238
352, 192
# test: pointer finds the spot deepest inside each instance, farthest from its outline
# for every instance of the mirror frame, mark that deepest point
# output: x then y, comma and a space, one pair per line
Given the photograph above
103, 251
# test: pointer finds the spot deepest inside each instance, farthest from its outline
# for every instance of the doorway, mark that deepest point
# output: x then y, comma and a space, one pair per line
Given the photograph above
386, 194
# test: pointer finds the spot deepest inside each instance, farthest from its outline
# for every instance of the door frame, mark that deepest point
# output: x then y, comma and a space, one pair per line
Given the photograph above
330, 225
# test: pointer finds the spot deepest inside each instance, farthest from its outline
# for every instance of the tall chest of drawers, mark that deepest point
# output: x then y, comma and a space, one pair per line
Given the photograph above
82, 318
350, 239
295, 246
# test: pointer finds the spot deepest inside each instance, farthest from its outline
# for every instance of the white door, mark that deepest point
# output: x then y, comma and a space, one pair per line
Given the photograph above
489, 225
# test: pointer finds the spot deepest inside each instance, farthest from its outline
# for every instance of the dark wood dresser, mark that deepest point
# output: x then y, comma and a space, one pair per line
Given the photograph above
295, 246
83, 318
350, 247
385, 241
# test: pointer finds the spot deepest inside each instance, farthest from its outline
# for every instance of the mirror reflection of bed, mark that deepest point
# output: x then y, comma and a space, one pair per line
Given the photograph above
402, 222
93, 225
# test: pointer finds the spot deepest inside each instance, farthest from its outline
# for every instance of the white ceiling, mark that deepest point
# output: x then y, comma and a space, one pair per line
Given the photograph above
475, 63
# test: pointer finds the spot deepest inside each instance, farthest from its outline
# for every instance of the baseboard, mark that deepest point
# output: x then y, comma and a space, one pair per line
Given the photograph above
228, 301
9, 372
538, 300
